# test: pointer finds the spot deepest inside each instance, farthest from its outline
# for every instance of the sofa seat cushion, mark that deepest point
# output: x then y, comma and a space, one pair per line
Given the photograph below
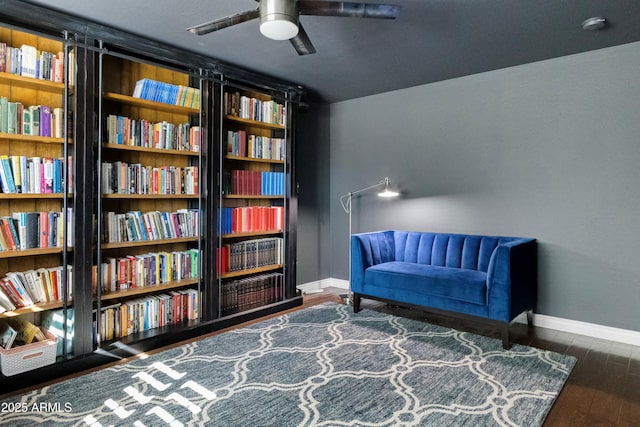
456, 283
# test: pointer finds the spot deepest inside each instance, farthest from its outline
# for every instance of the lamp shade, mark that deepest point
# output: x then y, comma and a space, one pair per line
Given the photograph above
387, 192
279, 19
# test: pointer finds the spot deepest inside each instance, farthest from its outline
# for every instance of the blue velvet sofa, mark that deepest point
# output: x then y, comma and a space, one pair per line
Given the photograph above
486, 277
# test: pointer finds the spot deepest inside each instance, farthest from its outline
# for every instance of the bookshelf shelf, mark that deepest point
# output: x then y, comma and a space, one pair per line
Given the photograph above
251, 234
143, 103
266, 268
151, 150
150, 196
33, 309
254, 123
26, 196
30, 252
248, 196
148, 243
126, 293
31, 83
15, 137
253, 159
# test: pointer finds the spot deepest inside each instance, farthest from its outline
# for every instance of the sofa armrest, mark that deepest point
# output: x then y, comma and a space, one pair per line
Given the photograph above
359, 263
369, 249
512, 279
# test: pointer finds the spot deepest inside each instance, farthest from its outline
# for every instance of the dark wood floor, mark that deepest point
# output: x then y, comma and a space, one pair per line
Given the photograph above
602, 390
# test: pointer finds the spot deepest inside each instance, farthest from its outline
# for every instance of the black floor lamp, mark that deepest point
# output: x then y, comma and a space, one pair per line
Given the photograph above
345, 201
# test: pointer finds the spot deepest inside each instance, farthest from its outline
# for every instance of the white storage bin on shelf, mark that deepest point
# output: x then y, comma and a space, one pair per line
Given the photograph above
30, 356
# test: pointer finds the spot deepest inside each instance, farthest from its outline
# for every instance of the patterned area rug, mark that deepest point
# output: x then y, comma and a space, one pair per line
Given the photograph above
321, 366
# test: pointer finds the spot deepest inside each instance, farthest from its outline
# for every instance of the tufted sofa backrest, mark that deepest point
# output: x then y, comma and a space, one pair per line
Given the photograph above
439, 249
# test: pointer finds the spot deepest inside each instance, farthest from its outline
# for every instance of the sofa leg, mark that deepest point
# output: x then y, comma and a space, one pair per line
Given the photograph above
356, 302
504, 332
530, 318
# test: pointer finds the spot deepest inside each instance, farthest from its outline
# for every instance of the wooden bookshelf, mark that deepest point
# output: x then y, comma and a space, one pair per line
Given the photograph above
31, 83
266, 268
241, 235
253, 123
120, 77
150, 196
143, 290
30, 252
244, 143
18, 196
138, 243
162, 151
33, 92
15, 137
253, 159
39, 307
249, 196
152, 105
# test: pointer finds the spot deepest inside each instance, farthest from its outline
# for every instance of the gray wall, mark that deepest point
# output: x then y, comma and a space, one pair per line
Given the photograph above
549, 150
312, 161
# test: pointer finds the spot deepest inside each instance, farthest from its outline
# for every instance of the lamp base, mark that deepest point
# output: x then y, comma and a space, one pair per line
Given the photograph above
346, 298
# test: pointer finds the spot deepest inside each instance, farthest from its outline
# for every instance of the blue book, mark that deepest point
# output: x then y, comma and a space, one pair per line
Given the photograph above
57, 176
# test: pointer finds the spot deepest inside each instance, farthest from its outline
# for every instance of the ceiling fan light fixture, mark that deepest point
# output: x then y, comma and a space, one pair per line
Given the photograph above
279, 19
279, 29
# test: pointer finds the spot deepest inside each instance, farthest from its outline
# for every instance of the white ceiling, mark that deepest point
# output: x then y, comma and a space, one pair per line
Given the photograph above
431, 40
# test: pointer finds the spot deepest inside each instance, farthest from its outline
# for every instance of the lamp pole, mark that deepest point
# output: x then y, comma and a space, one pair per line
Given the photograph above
345, 201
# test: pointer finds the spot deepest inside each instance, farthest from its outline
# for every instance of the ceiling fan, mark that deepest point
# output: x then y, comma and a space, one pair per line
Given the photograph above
279, 19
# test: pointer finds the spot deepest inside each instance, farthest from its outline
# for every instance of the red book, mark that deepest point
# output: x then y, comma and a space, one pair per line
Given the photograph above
44, 229
122, 273
196, 177
6, 233
132, 266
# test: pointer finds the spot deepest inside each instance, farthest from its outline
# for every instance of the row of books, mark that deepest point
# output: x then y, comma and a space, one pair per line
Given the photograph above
33, 175
167, 93
36, 120
123, 130
249, 254
136, 226
253, 183
250, 219
251, 292
255, 146
28, 61
155, 311
150, 269
29, 230
124, 178
27, 288
245, 107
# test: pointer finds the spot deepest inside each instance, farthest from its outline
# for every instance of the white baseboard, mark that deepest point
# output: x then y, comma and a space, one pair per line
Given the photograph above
541, 320
319, 285
588, 329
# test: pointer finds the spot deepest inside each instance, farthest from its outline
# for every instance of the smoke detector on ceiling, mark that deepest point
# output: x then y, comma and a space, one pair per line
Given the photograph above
594, 23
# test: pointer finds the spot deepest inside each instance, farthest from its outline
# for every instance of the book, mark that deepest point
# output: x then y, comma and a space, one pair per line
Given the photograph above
4, 115
7, 175
7, 336
27, 331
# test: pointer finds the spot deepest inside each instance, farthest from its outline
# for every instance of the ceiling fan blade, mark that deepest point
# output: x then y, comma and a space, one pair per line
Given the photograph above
221, 23
349, 9
301, 43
